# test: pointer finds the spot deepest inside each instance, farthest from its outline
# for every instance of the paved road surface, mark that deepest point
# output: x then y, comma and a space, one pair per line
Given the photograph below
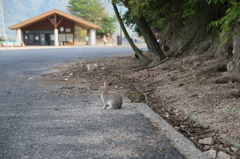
35, 123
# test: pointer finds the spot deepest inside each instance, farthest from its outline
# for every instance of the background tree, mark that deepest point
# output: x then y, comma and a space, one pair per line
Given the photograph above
93, 11
108, 24
90, 10
2, 38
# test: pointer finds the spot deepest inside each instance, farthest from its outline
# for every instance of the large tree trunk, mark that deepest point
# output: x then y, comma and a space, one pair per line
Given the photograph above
147, 34
149, 37
137, 51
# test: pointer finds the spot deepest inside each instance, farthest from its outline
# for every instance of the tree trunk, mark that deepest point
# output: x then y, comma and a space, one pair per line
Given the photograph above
149, 37
134, 47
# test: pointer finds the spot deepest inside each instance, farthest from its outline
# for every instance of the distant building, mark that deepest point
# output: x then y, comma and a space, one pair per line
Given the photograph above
53, 28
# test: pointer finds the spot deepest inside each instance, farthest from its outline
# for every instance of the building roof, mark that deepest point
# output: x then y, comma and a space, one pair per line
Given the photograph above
78, 21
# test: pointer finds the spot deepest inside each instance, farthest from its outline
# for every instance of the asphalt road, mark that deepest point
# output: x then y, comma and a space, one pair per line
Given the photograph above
34, 123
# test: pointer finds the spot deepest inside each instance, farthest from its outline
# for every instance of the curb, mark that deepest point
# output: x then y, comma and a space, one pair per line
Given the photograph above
184, 146
205, 125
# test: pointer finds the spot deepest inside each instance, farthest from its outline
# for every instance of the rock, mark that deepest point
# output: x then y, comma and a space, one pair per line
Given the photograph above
234, 149
230, 66
234, 92
206, 141
177, 127
206, 148
90, 67
83, 62
95, 65
212, 154
223, 155
227, 149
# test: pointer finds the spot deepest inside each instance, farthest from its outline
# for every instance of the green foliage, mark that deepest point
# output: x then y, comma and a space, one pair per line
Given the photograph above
80, 33
128, 20
90, 10
108, 25
216, 1
188, 8
2, 38
226, 22
93, 11
159, 13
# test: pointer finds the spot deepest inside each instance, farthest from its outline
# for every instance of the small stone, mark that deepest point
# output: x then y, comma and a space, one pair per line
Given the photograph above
230, 66
234, 92
90, 67
177, 127
223, 155
95, 65
228, 149
211, 154
83, 62
206, 148
206, 141
234, 149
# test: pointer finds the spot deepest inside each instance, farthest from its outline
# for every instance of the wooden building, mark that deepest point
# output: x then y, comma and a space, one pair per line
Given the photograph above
53, 28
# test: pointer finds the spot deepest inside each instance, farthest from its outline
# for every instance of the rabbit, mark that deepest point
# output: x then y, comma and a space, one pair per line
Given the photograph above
135, 96
110, 99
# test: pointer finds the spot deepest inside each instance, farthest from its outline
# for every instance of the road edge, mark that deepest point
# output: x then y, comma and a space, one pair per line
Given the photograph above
184, 145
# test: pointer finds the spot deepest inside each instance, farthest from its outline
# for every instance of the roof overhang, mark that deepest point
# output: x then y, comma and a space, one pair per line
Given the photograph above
78, 21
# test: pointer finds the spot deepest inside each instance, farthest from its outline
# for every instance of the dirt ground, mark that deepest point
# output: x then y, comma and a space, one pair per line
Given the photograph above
191, 93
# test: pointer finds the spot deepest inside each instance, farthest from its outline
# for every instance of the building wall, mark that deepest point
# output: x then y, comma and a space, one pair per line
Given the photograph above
40, 25
45, 24
66, 24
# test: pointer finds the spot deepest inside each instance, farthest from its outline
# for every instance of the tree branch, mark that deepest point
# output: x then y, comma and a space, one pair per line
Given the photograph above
145, 67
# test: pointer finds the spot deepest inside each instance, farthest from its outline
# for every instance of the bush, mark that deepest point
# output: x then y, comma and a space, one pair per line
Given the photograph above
2, 38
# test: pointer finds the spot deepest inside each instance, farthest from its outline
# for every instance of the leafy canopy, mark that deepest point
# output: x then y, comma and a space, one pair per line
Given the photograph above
90, 10
93, 11
232, 16
108, 24
2, 38
159, 13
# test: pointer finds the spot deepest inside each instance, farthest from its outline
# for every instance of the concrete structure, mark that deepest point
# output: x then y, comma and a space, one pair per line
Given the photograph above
53, 28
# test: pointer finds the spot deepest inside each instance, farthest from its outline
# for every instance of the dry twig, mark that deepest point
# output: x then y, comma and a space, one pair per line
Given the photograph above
151, 66
227, 151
